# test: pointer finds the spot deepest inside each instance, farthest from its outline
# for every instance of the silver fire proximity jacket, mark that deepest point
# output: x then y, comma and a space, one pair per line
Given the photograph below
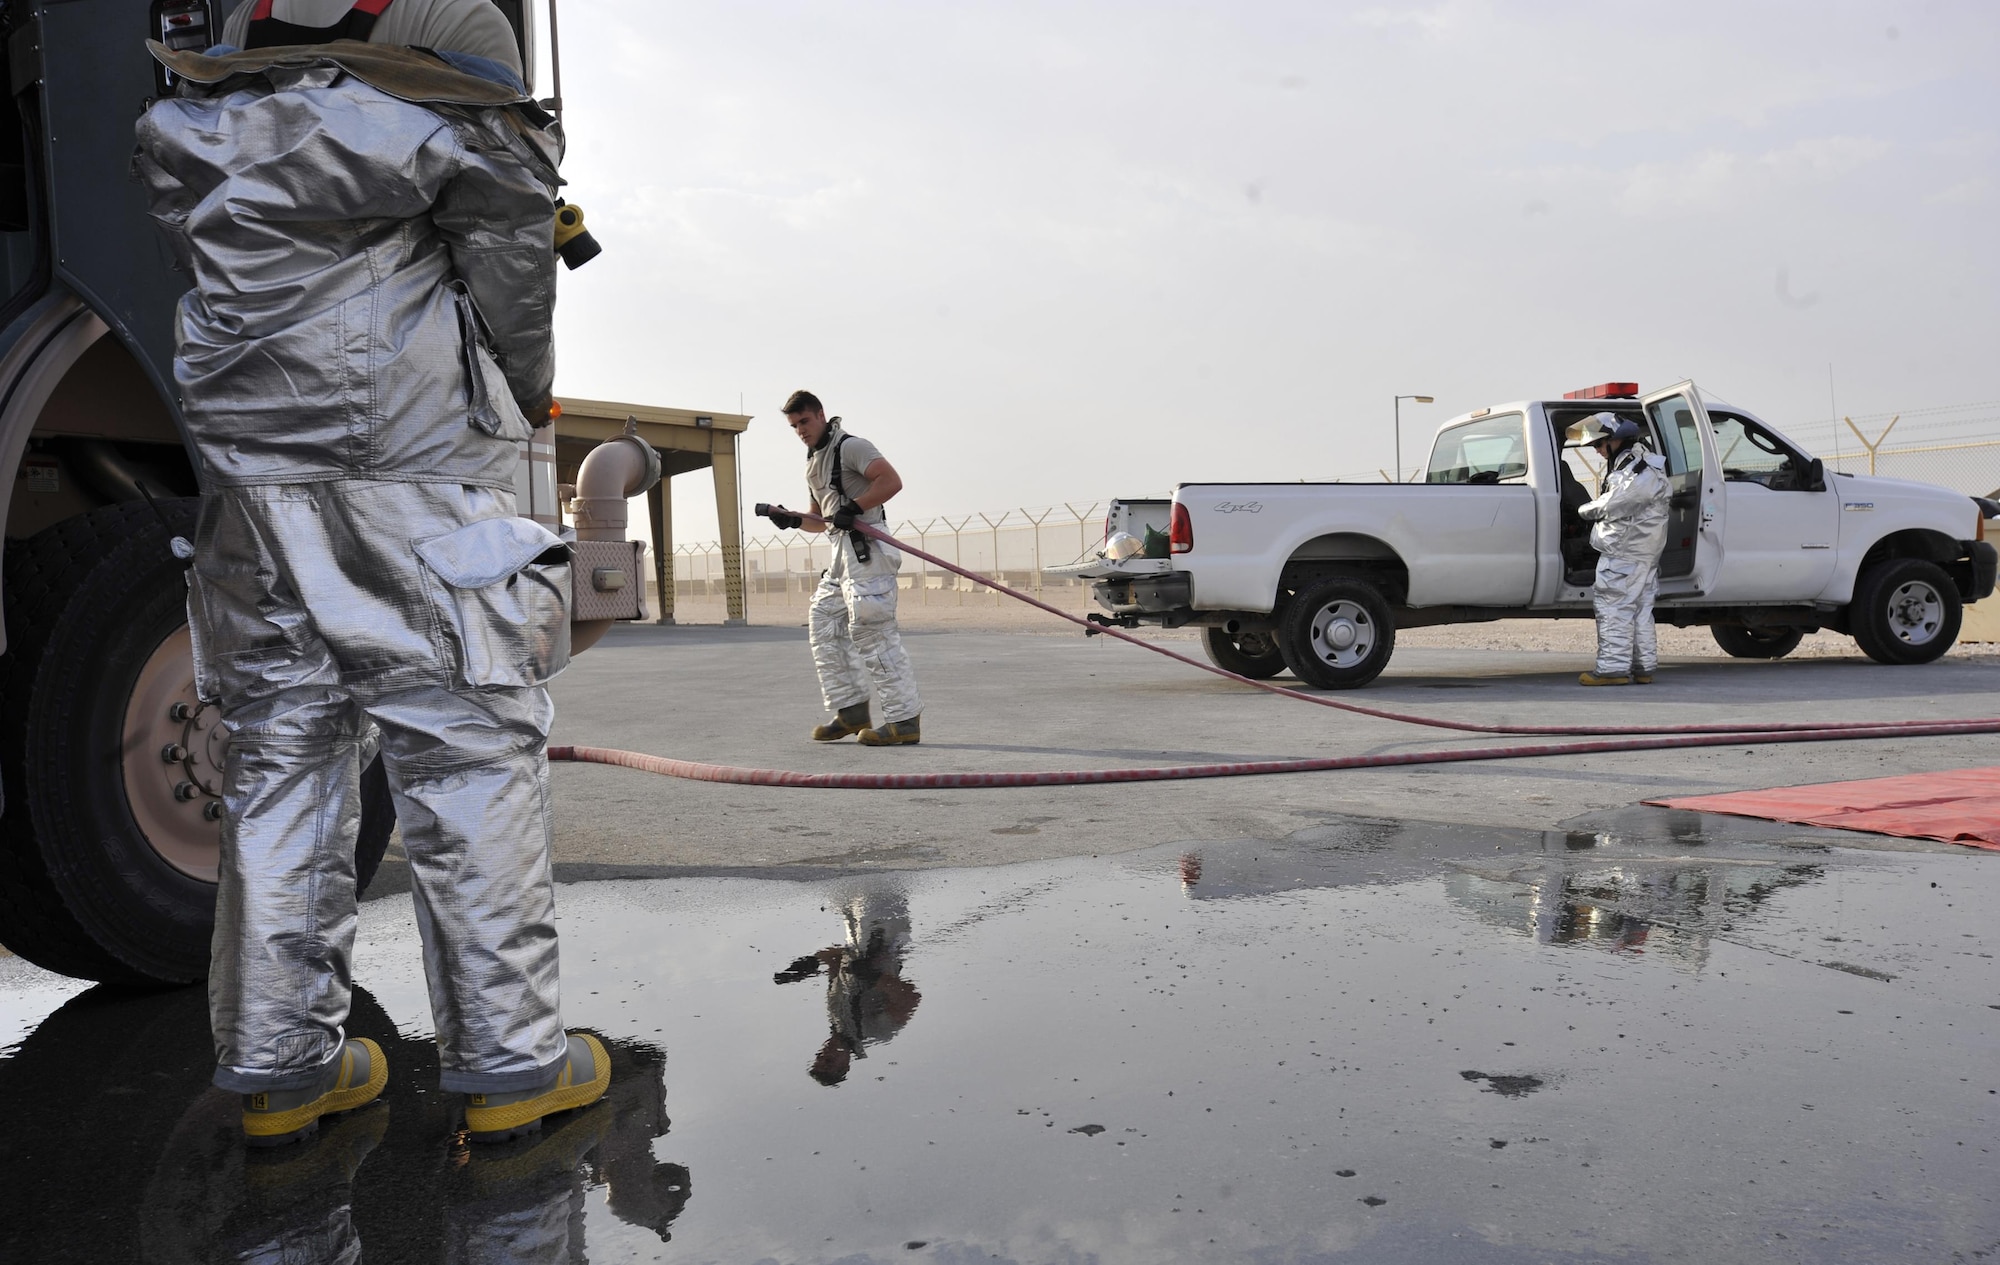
377, 304
1631, 515
371, 238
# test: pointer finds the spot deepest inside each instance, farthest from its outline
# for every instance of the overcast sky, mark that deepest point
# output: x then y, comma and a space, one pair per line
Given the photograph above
1058, 252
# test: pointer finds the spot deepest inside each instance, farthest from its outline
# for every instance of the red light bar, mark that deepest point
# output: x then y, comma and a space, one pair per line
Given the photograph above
1606, 391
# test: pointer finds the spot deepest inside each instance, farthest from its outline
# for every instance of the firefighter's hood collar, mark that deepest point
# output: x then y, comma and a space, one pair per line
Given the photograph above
409, 74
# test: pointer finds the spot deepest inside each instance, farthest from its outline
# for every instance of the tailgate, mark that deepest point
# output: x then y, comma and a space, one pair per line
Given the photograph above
1104, 568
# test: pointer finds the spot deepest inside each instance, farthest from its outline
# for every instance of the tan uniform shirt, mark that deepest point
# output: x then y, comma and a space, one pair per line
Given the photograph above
460, 26
856, 455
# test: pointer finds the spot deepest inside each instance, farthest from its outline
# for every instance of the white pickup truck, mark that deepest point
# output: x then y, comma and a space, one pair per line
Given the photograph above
1763, 545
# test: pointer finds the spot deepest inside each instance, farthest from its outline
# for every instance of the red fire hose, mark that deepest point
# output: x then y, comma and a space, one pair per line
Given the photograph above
1628, 737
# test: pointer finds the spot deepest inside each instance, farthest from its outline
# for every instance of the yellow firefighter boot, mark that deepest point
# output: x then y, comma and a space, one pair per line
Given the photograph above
353, 1078
580, 1081
1591, 678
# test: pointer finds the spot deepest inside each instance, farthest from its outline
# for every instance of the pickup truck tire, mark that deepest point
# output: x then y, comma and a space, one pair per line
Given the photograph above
1739, 642
1252, 654
107, 847
1905, 610
1337, 633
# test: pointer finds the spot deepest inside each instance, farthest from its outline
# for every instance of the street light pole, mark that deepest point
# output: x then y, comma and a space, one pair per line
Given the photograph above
1421, 399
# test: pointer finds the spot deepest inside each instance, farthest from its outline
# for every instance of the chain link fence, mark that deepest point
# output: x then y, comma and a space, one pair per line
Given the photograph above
782, 568
1971, 468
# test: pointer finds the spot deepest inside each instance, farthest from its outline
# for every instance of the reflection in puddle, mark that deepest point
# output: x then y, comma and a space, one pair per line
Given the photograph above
867, 999
1639, 905
111, 1093
1574, 887
1372, 1042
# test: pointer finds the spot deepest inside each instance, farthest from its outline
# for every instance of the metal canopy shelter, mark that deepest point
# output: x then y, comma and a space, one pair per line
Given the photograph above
686, 441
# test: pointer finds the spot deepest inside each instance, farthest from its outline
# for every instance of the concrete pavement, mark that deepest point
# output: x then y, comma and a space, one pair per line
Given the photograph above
746, 696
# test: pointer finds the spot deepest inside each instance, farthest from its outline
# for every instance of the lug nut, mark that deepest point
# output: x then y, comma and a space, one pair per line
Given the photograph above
180, 711
173, 753
212, 810
185, 791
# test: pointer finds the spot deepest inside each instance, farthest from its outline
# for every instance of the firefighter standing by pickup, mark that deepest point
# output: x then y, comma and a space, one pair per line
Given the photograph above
1629, 532
370, 232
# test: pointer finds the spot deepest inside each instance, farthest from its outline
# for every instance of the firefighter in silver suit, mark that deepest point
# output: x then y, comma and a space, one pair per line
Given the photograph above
1629, 532
856, 647
369, 232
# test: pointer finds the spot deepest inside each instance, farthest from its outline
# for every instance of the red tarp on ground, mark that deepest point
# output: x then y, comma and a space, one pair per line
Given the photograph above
1962, 806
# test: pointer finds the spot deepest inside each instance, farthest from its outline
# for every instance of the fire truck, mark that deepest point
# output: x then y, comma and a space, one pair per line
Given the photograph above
109, 763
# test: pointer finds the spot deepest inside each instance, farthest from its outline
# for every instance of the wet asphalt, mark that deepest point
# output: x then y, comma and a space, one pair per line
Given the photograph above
1648, 1036
1001, 701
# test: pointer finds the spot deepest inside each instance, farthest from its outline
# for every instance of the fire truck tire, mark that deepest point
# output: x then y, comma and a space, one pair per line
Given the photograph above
96, 613
1252, 654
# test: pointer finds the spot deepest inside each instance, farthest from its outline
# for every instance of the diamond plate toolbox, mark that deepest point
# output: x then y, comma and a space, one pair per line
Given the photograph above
608, 580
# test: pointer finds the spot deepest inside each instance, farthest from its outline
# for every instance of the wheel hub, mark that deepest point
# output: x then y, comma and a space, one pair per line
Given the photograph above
1916, 612
172, 758
1343, 634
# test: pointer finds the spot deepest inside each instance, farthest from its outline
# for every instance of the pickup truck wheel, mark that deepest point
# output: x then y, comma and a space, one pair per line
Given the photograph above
1251, 654
111, 832
1739, 642
1337, 634
1905, 610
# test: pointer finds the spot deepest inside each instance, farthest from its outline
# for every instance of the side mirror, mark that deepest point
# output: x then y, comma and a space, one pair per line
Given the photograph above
1815, 476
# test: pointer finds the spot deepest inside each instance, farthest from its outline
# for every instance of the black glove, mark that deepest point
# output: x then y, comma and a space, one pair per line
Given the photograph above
785, 521
843, 518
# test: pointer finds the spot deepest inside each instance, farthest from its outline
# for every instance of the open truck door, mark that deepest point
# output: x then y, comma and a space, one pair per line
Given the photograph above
1695, 514
1783, 520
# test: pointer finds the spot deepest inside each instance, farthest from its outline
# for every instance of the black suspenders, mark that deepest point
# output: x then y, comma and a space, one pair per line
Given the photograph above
859, 541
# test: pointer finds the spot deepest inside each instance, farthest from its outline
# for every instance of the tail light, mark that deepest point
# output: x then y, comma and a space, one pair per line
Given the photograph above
1180, 530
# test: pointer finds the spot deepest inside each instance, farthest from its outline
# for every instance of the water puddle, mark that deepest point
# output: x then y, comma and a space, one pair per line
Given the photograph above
1371, 1041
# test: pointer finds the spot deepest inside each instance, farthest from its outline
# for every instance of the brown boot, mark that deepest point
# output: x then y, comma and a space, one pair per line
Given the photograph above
897, 733
852, 719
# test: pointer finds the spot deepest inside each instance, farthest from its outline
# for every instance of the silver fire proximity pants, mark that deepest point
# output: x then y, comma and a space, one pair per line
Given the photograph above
1623, 595
332, 617
855, 644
